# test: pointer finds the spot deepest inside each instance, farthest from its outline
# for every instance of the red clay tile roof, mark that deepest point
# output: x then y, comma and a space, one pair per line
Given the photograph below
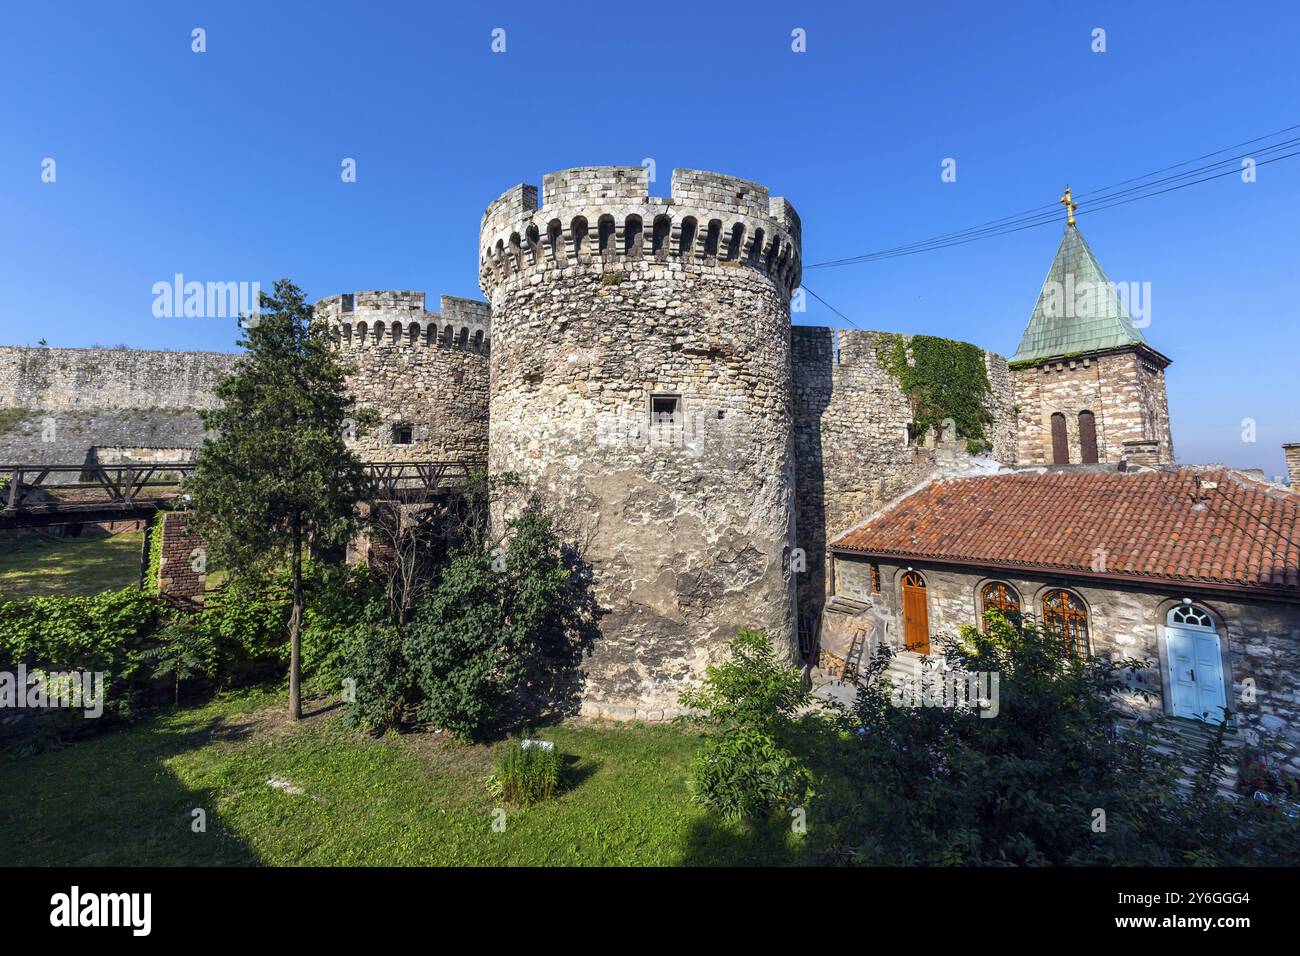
1150, 524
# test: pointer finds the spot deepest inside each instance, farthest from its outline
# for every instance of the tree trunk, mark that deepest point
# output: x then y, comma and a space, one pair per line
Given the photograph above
295, 626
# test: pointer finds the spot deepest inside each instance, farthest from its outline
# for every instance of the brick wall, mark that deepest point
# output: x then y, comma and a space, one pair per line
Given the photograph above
182, 573
1292, 453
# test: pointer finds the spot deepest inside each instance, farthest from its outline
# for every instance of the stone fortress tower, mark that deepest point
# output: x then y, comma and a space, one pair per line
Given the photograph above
424, 373
641, 384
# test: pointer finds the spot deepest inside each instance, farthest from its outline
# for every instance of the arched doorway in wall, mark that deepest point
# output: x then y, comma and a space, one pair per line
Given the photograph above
916, 615
1198, 688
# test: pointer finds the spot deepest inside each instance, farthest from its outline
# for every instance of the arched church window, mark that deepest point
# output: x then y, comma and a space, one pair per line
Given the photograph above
1000, 596
1066, 618
1189, 615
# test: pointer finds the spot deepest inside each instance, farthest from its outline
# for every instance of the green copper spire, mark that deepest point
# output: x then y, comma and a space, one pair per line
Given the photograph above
1078, 310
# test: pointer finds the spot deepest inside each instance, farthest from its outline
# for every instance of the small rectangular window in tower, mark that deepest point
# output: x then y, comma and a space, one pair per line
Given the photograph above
665, 409
875, 578
402, 434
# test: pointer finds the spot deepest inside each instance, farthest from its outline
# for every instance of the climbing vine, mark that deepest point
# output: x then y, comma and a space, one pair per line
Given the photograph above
943, 379
153, 541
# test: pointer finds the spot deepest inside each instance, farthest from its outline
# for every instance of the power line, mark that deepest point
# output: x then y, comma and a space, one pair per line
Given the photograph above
804, 286
1042, 219
1103, 198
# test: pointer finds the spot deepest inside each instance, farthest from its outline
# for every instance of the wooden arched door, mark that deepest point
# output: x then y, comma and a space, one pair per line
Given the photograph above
916, 616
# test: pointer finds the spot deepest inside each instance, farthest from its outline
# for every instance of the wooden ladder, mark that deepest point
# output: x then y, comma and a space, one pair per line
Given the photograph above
854, 658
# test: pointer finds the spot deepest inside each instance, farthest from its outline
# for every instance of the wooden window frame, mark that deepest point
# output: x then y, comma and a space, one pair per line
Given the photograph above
1075, 639
1009, 603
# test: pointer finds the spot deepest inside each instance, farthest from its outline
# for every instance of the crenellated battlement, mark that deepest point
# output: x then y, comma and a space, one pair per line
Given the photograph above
593, 217
396, 319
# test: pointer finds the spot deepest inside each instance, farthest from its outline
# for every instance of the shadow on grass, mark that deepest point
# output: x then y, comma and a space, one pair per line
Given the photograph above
110, 800
716, 842
575, 771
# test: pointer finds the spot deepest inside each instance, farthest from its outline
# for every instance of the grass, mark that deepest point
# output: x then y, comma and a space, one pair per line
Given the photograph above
33, 564
127, 796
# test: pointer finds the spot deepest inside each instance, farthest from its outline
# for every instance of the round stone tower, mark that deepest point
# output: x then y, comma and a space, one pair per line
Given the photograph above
424, 374
641, 386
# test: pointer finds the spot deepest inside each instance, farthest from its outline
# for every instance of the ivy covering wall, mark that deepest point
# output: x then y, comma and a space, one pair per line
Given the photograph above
153, 545
942, 379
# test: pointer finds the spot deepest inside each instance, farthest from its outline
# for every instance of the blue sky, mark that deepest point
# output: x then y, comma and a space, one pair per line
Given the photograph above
225, 165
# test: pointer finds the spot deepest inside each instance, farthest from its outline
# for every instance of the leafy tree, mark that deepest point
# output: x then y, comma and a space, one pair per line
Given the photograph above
183, 653
274, 473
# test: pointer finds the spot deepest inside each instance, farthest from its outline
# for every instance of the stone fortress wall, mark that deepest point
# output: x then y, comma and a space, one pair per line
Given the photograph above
852, 447
57, 405
424, 373
641, 383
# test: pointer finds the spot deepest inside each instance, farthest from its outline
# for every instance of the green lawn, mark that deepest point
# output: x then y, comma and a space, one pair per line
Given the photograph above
126, 796
32, 564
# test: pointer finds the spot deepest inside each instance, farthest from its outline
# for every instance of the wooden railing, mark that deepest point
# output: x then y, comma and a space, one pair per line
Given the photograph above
36, 495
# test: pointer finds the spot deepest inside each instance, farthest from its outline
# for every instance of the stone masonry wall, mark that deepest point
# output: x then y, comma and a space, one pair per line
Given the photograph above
58, 404
601, 299
851, 440
426, 370
1125, 391
1263, 637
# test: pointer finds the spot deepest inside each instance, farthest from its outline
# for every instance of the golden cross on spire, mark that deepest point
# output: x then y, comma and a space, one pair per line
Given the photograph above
1070, 206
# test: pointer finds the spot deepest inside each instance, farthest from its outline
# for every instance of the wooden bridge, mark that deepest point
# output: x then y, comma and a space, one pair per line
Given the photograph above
36, 496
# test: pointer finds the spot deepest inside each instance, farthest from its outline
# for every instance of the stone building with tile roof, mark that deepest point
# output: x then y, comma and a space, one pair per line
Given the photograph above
1193, 572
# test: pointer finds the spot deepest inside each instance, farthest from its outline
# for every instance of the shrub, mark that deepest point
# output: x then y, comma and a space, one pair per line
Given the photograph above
145, 647
744, 774
499, 635
527, 772
745, 769
340, 606
941, 785
105, 633
376, 670
182, 653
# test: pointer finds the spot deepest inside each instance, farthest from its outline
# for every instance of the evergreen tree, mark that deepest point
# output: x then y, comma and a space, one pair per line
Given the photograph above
273, 473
